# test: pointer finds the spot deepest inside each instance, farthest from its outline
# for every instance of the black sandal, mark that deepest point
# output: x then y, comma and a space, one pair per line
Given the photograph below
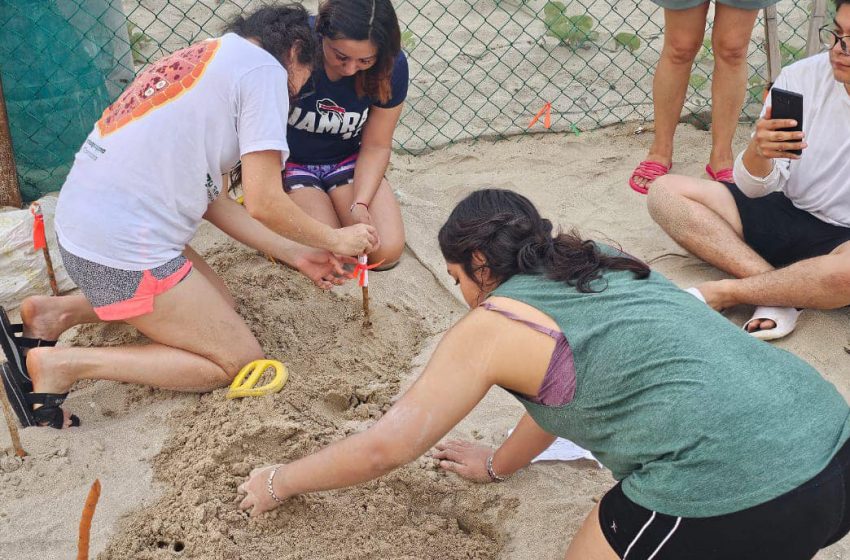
22, 401
13, 343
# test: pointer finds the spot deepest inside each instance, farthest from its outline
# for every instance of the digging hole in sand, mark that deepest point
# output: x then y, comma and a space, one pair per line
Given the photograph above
341, 379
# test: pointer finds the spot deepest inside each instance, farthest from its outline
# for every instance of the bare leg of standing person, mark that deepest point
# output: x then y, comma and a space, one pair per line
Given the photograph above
730, 41
683, 34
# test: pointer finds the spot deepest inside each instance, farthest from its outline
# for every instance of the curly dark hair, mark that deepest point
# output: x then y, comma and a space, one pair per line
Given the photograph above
278, 29
361, 20
513, 238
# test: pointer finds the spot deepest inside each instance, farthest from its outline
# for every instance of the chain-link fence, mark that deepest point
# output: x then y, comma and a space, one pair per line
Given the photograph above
478, 68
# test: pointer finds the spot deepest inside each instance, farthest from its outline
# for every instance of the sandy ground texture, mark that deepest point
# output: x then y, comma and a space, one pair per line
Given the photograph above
170, 463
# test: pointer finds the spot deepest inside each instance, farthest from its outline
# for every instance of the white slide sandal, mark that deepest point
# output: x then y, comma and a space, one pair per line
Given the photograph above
784, 317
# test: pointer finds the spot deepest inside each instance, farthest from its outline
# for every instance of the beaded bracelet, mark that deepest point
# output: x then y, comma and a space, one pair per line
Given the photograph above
270, 486
491, 473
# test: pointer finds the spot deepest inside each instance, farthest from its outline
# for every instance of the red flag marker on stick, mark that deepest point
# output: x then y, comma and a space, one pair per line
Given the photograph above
361, 272
39, 241
546, 113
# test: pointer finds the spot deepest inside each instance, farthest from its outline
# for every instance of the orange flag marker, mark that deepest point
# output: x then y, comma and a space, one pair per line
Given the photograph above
546, 113
39, 241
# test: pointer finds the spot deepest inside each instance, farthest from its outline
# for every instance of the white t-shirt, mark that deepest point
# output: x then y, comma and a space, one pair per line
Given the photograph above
818, 182
144, 177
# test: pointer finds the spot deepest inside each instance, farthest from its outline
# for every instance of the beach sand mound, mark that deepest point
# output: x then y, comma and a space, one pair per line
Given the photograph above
342, 377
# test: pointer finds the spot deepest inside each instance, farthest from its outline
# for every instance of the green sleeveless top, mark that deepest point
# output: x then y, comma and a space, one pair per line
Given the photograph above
696, 417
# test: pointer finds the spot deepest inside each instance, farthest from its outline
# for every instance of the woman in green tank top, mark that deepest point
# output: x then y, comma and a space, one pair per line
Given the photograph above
693, 417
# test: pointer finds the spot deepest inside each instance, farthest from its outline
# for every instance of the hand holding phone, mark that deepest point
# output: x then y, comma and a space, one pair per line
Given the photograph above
780, 133
788, 105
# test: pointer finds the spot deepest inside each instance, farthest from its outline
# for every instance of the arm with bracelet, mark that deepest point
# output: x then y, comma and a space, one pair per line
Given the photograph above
373, 159
482, 463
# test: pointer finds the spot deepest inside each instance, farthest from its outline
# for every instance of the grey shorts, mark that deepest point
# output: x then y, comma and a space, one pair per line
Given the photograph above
117, 294
740, 4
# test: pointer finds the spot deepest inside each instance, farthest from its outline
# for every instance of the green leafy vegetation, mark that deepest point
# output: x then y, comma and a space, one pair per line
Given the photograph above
574, 31
628, 41
408, 40
138, 41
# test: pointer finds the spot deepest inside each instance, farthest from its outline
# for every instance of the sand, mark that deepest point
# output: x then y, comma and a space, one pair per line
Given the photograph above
170, 463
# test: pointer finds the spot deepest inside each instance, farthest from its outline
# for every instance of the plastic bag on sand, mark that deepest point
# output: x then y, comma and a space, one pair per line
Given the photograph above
23, 270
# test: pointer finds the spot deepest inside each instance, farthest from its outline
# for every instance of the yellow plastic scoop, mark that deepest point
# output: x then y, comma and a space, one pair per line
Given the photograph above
244, 385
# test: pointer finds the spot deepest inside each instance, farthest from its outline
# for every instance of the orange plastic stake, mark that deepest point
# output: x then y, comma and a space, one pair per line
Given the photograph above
85, 521
546, 113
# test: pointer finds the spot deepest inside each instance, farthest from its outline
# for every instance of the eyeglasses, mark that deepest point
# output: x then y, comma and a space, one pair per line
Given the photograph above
829, 38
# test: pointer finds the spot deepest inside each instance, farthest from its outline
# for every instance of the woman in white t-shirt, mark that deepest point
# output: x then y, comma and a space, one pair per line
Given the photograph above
145, 177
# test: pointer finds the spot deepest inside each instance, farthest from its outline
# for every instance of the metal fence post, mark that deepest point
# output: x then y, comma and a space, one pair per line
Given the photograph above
771, 39
816, 21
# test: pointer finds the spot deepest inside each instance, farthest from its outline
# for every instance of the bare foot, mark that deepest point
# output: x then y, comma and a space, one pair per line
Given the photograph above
760, 325
42, 318
46, 374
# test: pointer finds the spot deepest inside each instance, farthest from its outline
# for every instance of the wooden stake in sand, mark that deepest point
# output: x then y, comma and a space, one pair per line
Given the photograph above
10, 192
361, 272
39, 241
12, 422
362, 260
85, 521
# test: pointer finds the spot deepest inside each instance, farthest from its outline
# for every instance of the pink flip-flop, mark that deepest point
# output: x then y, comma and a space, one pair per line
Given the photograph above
649, 170
724, 175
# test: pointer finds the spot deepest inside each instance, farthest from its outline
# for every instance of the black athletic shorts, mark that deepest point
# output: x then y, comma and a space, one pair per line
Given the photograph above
793, 526
782, 233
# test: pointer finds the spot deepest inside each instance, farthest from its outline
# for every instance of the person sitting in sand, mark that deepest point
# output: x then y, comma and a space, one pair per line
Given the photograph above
341, 124
145, 177
783, 227
696, 419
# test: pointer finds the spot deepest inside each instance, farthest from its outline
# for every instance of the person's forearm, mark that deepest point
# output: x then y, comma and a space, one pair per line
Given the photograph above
285, 218
354, 460
231, 218
371, 165
756, 176
525, 443
755, 164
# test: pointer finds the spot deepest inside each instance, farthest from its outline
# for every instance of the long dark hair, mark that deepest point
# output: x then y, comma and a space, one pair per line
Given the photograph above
278, 29
513, 238
365, 20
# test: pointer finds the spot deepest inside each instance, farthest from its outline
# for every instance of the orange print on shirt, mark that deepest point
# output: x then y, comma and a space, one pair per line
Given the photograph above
163, 81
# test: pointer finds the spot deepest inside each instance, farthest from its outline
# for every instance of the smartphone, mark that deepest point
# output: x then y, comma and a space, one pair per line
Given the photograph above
787, 105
